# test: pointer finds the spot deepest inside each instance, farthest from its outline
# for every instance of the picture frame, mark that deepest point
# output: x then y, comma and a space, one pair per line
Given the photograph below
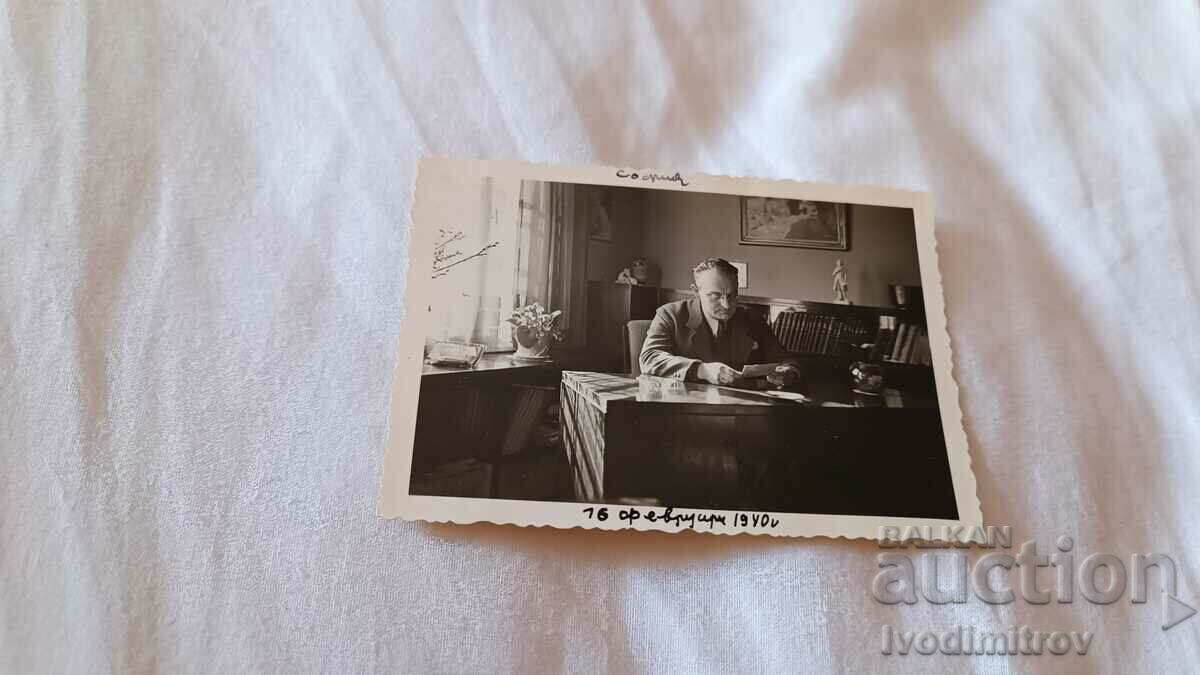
796, 223
599, 217
743, 273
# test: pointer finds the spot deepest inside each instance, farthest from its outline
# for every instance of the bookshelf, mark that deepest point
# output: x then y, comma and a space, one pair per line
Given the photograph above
830, 329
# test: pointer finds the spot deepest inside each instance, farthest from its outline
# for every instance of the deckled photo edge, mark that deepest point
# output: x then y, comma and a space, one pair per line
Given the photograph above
394, 500
965, 487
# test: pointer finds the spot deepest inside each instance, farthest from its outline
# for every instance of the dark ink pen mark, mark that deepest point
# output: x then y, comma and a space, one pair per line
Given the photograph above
653, 177
690, 519
442, 271
444, 260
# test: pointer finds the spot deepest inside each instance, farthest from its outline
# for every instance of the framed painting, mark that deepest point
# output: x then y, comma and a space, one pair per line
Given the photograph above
599, 223
743, 273
771, 221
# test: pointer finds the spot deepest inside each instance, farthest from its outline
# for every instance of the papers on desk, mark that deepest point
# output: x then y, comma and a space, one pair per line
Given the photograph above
758, 370
788, 396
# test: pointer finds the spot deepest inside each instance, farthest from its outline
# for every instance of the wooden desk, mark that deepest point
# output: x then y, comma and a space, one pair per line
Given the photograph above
463, 413
491, 366
662, 441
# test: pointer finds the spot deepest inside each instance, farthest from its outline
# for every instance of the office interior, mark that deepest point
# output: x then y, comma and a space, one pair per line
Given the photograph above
582, 426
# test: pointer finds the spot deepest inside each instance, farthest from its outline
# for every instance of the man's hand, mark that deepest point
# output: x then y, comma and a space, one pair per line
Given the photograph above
716, 373
785, 375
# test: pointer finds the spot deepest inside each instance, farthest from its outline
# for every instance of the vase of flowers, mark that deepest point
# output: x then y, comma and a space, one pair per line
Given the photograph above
533, 330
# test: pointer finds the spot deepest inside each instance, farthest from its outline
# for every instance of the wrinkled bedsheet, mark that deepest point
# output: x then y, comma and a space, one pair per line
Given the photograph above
203, 225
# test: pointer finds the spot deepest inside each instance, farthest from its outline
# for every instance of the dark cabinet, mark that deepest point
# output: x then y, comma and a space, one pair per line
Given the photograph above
609, 308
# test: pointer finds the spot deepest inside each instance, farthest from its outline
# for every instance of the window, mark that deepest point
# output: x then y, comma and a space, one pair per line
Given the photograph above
503, 249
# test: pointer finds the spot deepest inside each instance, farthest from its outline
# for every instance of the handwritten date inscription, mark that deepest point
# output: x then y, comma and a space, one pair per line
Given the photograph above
669, 517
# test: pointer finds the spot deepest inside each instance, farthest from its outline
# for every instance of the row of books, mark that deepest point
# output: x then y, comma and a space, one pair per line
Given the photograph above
820, 333
901, 342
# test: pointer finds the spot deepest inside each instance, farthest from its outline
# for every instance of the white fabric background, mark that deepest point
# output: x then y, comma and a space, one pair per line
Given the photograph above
203, 212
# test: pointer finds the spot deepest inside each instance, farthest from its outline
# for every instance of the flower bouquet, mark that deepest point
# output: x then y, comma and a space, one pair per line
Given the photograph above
533, 330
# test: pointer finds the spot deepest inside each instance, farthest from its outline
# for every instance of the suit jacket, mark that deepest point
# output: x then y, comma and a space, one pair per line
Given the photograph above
678, 338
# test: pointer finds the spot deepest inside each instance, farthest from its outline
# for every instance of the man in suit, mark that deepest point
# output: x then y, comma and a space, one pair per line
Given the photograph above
709, 338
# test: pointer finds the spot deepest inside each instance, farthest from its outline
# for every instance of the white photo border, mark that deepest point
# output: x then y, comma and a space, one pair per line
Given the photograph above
394, 500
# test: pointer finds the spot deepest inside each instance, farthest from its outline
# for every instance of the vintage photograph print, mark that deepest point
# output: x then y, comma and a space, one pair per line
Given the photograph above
585, 347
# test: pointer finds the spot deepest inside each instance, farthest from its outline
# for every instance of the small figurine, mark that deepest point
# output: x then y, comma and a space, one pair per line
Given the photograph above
639, 273
868, 378
840, 285
640, 270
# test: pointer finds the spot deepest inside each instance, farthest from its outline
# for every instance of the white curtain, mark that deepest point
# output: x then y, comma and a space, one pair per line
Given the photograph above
472, 269
510, 244
550, 253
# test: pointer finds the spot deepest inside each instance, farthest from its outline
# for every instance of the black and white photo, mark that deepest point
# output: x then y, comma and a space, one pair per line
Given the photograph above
587, 341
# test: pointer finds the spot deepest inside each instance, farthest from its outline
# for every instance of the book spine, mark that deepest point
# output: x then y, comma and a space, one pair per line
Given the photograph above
789, 331
909, 341
891, 343
898, 344
881, 339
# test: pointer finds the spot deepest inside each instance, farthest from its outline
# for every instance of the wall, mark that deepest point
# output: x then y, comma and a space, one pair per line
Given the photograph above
628, 215
681, 228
